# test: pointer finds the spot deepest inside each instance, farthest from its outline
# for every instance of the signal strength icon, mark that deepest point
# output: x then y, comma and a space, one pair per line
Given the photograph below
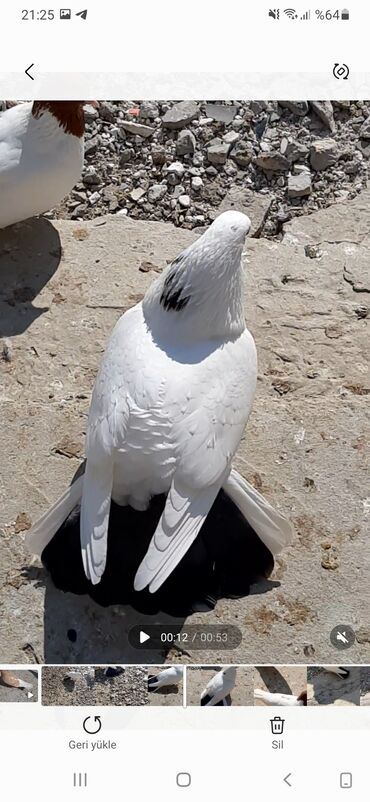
307, 15
291, 13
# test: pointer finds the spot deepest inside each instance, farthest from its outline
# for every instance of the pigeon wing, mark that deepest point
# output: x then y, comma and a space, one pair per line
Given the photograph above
206, 438
105, 433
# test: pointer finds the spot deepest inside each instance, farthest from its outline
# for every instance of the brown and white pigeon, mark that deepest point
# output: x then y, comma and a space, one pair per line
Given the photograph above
41, 156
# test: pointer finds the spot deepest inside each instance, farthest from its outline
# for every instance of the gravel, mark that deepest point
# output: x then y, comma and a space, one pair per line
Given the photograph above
92, 687
142, 159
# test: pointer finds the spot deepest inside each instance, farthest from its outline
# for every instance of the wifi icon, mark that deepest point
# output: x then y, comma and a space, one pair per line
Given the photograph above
291, 13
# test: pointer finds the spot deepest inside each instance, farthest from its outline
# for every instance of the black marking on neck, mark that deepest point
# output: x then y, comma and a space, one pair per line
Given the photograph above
171, 298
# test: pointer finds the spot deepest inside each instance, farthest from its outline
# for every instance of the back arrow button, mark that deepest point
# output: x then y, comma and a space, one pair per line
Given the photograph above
286, 779
27, 71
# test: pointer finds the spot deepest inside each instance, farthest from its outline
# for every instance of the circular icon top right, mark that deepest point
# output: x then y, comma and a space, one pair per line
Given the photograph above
341, 71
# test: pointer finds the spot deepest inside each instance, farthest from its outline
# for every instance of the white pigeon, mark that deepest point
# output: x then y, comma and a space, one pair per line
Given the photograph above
169, 676
169, 408
340, 671
219, 688
281, 699
41, 157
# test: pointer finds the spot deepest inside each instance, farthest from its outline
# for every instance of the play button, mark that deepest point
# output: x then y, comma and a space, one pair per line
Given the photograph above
143, 637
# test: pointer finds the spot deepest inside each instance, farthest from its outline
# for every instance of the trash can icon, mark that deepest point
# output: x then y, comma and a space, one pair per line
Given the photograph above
277, 725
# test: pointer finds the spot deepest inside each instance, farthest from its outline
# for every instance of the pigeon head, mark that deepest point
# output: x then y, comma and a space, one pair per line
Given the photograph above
199, 295
68, 113
228, 671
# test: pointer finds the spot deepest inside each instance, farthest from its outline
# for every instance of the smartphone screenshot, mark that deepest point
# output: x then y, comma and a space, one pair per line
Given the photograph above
184, 401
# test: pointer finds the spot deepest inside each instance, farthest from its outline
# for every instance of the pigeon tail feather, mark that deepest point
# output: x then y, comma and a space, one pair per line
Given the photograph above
271, 526
41, 533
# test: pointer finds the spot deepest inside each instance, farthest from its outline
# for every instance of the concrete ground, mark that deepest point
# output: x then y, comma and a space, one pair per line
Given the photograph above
8, 694
365, 685
328, 689
62, 287
128, 688
197, 679
291, 680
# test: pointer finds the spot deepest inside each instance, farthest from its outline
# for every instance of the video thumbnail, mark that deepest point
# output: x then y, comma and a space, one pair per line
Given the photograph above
184, 363
18, 685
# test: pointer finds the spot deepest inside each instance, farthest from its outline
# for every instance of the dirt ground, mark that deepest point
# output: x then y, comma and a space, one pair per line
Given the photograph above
62, 287
279, 679
8, 694
128, 688
197, 678
328, 689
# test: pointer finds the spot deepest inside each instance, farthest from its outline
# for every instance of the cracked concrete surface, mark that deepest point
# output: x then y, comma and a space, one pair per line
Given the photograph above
63, 286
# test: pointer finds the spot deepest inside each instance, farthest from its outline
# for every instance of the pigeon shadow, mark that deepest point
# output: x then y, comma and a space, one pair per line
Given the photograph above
86, 623
30, 253
77, 630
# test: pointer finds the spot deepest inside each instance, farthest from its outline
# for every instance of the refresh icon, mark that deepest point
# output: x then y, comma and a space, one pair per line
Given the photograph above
92, 728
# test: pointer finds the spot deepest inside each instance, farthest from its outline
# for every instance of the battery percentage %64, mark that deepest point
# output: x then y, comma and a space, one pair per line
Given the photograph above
332, 15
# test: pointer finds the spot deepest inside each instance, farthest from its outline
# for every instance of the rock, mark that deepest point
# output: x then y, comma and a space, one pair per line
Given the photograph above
149, 110
217, 154
196, 183
293, 150
299, 185
299, 107
156, 192
272, 161
324, 110
255, 205
137, 129
184, 201
79, 211
94, 198
107, 111
313, 251
7, 348
90, 176
181, 114
221, 113
198, 159
186, 143
126, 156
242, 154
91, 145
231, 137
301, 168
365, 148
137, 193
364, 132
176, 169
90, 113
158, 154
323, 154
211, 172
